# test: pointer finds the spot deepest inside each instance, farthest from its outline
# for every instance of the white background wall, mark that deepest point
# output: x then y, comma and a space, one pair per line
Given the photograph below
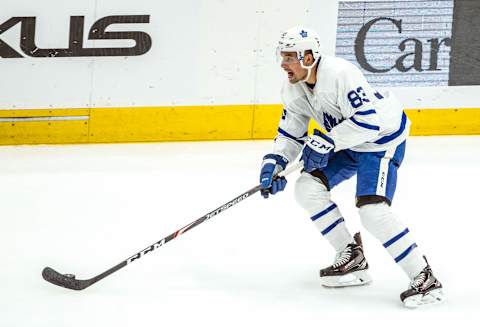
203, 52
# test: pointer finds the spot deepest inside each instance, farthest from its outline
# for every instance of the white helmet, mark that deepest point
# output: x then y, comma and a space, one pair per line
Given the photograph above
299, 39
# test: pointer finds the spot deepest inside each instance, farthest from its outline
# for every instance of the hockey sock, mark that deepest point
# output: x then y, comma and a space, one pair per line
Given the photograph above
331, 225
314, 197
379, 220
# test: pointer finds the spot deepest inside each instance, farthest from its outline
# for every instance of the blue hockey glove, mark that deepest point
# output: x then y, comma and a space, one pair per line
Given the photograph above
317, 151
272, 164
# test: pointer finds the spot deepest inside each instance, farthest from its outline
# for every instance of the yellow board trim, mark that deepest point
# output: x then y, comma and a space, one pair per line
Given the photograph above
444, 121
43, 113
32, 132
171, 123
188, 123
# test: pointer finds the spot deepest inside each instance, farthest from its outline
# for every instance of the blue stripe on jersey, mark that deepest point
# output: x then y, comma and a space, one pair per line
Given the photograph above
324, 212
327, 138
396, 238
332, 226
390, 137
367, 126
323, 136
406, 252
366, 112
290, 136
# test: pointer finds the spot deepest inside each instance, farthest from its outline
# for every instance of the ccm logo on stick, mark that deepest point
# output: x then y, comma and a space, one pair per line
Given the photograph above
143, 41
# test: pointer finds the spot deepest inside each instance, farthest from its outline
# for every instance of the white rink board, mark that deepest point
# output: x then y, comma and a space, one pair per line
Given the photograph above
203, 53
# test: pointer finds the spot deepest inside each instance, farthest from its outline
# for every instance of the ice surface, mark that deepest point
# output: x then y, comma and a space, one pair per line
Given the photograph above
83, 208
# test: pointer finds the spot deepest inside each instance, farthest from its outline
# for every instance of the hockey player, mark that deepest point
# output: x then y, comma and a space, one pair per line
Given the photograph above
366, 132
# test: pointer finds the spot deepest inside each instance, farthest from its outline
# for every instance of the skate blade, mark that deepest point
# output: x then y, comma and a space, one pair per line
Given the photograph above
356, 278
433, 297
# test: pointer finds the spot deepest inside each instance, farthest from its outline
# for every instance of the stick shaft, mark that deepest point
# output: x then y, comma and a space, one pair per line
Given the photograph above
209, 215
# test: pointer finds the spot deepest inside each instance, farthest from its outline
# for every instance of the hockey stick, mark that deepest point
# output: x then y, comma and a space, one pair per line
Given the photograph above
69, 281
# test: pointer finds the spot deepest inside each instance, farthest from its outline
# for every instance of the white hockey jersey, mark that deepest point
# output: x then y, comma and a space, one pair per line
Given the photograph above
355, 115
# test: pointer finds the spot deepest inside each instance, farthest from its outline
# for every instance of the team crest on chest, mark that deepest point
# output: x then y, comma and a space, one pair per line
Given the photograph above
329, 121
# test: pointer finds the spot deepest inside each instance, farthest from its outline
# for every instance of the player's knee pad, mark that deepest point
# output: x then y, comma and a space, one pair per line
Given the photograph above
376, 216
310, 192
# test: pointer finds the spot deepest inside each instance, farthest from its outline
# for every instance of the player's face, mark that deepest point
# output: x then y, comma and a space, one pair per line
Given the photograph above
292, 66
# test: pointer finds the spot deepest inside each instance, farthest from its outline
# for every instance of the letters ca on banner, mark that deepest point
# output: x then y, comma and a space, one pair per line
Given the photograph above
397, 43
143, 41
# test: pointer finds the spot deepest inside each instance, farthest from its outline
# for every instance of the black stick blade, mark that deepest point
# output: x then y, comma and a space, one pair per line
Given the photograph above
64, 280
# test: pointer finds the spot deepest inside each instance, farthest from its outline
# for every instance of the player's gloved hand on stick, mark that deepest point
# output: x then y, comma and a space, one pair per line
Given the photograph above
272, 164
317, 151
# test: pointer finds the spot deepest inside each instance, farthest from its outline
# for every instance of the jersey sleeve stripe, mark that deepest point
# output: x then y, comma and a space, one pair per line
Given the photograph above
399, 132
366, 112
290, 136
325, 137
364, 125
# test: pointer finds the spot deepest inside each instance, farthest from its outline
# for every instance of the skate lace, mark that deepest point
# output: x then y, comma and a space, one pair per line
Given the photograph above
419, 280
343, 258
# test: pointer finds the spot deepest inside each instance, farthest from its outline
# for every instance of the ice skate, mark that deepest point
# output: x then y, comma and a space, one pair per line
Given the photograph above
424, 289
349, 269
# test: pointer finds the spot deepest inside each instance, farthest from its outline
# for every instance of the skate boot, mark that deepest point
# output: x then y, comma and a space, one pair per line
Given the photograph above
424, 289
349, 269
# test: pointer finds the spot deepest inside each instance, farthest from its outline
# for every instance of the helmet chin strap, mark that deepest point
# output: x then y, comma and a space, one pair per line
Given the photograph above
309, 69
